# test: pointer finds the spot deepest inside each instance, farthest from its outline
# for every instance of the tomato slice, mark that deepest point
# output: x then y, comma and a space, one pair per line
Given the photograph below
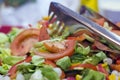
101, 69
70, 44
115, 67
116, 32
99, 21
43, 34
49, 62
26, 39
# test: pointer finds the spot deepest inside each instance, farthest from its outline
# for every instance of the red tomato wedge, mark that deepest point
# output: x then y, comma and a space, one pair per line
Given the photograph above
101, 69
99, 21
70, 44
43, 34
26, 39
49, 62
116, 32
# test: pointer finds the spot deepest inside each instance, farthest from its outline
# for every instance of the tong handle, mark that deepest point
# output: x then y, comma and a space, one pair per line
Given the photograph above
111, 37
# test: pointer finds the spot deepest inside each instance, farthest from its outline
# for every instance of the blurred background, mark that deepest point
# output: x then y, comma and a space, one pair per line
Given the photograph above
24, 12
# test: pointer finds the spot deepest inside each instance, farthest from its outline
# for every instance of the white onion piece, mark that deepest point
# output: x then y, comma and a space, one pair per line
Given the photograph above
58, 71
6, 78
20, 76
37, 75
1, 77
108, 61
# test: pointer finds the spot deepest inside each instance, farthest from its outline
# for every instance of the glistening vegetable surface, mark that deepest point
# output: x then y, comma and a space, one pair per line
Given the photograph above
34, 54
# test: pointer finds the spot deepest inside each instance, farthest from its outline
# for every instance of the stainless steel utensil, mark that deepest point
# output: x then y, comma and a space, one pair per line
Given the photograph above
89, 13
64, 14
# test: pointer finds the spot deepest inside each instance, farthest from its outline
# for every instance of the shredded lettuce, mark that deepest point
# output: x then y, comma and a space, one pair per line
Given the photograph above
7, 58
3, 38
4, 68
13, 33
78, 58
82, 50
36, 60
95, 59
4, 41
27, 75
10, 60
4, 52
90, 74
64, 62
26, 68
49, 73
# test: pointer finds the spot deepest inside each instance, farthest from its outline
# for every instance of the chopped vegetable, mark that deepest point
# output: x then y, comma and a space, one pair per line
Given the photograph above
68, 52
37, 75
82, 50
3, 38
49, 73
41, 53
95, 59
64, 63
36, 60
93, 75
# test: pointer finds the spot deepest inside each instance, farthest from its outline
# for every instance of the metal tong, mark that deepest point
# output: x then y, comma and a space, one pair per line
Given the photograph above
64, 14
89, 13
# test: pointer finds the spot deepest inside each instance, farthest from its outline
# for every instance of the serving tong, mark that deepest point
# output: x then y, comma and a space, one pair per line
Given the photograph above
90, 14
67, 16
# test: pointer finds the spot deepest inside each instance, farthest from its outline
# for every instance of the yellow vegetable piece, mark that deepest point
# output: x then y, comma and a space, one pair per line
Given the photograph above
104, 65
112, 77
78, 77
46, 18
74, 64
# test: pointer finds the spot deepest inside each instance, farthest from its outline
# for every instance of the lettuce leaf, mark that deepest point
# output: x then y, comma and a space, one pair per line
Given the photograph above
82, 50
95, 59
49, 73
36, 60
90, 74
7, 58
64, 62
3, 38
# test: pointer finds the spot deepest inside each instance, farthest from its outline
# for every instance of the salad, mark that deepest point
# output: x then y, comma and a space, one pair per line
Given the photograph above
35, 54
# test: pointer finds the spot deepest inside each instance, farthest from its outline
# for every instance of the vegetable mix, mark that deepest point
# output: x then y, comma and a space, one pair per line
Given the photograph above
34, 54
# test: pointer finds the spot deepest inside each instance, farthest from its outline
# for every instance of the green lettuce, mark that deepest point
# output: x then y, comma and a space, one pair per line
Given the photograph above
49, 73
95, 59
90, 74
3, 38
13, 33
64, 62
4, 69
10, 60
7, 58
36, 60
82, 50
